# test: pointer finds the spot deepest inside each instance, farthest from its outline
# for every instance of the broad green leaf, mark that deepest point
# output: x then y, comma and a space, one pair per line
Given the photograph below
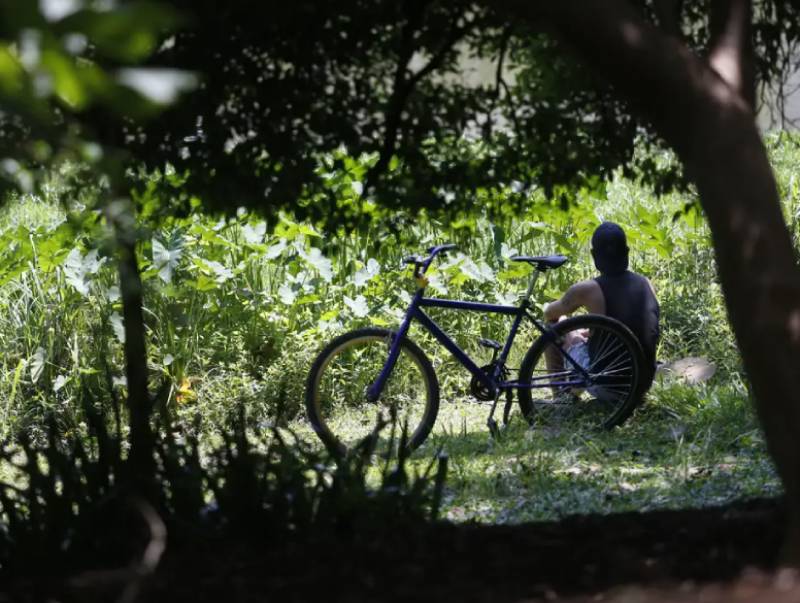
67, 82
77, 269
322, 264
358, 306
36, 364
221, 273
129, 33
363, 275
118, 326
12, 75
480, 272
329, 315
286, 294
166, 260
59, 382
275, 250
54, 248
254, 234
205, 283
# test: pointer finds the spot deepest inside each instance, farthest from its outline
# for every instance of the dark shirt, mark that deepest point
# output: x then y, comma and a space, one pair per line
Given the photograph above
630, 300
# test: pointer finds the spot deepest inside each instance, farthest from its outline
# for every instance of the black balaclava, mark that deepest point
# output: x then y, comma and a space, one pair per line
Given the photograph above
610, 249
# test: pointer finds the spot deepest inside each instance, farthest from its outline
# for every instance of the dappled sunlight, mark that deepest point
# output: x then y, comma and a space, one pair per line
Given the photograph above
678, 451
689, 446
794, 326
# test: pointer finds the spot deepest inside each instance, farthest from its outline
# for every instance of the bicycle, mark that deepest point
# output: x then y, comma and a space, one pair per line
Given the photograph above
381, 370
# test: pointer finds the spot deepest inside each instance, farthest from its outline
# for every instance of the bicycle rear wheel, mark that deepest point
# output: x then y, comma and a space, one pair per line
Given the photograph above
336, 388
607, 351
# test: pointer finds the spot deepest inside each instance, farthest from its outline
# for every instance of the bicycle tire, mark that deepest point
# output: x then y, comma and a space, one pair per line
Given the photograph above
320, 402
628, 387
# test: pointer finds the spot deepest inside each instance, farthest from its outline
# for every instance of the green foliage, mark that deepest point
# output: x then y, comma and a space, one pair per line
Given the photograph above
236, 308
242, 305
407, 83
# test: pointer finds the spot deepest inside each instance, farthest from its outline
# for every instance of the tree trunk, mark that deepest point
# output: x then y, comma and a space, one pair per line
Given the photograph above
141, 463
712, 128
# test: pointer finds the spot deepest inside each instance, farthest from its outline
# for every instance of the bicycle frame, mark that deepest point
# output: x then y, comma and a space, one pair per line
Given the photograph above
492, 380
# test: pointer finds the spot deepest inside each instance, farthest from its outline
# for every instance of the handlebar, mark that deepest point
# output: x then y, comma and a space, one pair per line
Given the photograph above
421, 264
441, 248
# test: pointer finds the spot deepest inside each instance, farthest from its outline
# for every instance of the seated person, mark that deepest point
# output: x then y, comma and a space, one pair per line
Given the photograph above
616, 292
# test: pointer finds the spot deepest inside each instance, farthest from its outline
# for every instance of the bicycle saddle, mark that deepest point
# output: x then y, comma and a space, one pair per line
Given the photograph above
542, 262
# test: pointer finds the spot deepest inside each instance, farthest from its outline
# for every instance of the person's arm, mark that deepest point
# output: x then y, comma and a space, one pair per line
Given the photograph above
580, 295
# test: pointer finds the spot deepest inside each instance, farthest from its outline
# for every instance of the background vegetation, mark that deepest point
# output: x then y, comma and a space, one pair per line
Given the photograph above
236, 308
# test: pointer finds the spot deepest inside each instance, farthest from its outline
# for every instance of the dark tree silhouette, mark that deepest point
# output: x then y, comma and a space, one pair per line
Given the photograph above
285, 82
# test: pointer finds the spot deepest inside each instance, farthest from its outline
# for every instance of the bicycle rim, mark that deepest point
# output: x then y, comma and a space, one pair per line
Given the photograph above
345, 419
601, 390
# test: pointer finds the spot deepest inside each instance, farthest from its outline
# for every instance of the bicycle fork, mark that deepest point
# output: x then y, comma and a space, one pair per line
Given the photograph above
374, 391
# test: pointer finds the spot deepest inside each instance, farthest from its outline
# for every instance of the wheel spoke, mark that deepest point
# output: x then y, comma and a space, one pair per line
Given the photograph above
611, 359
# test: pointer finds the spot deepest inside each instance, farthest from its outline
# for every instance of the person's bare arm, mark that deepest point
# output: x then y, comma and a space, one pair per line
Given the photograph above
585, 294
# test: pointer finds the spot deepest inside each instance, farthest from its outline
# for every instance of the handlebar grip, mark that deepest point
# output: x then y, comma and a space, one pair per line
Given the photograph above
411, 259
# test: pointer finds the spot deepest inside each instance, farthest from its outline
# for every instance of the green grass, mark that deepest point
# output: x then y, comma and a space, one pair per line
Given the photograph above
689, 446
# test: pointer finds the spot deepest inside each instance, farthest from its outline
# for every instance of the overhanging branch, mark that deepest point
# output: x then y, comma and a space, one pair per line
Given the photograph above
404, 86
731, 46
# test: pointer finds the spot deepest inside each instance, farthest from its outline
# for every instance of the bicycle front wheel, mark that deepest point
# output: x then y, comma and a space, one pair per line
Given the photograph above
606, 390
336, 389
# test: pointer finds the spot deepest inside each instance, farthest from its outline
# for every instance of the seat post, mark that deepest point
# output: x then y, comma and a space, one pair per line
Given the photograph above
534, 278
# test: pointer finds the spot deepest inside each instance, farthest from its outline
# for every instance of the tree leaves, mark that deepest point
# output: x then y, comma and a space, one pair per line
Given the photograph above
78, 268
127, 34
36, 364
365, 274
165, 259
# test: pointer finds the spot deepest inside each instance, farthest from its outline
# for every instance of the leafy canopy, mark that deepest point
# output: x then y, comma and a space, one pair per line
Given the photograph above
285, 83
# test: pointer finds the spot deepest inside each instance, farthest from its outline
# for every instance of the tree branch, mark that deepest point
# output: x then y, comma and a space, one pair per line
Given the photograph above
499, 81
404, 86
731, 46
639, 60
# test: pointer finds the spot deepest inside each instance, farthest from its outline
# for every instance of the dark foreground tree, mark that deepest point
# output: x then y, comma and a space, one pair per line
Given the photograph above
703, 107
58, 64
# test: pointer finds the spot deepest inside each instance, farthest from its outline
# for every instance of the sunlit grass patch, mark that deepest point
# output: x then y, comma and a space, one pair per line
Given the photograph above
687, 447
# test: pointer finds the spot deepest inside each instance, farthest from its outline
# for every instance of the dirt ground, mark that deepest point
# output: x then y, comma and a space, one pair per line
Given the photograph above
708, 555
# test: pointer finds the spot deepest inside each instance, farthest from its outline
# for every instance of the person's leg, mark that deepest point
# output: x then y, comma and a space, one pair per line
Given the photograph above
553, 358
574, 344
